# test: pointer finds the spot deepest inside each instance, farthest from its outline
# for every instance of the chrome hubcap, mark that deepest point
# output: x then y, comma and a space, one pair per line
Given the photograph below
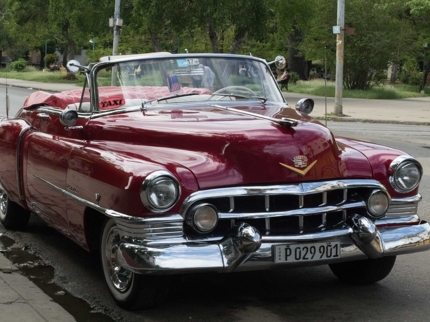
121, 278
3, 204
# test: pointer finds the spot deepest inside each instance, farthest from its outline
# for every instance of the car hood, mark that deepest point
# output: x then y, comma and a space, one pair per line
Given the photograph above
226, 148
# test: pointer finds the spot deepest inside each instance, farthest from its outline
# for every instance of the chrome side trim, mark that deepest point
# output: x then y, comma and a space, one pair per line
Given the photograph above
400, 207
56, 111
160, 231
18, 161
109, 212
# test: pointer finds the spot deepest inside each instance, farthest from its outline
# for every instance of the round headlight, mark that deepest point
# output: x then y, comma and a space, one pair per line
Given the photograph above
160, 191
378, 203
407, 173
204, 218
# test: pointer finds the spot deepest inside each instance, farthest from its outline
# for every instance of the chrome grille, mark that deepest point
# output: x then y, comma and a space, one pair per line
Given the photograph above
286, 209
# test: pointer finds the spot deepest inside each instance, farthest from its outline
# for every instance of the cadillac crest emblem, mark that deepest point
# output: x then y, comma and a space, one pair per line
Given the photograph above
300, 162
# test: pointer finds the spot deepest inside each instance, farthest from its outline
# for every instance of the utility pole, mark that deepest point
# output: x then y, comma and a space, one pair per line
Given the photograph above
116, 28
116, 23
340, 39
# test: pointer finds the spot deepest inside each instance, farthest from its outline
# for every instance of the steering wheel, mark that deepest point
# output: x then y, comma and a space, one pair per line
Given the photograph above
230, 88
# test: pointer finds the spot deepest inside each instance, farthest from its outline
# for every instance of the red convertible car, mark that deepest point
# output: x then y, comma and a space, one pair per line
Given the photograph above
199, 165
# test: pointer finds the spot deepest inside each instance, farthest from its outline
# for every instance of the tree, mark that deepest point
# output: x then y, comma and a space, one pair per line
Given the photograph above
420, 14
296, 18
24, 26
229, 23
226, 24
74, 22
383, 34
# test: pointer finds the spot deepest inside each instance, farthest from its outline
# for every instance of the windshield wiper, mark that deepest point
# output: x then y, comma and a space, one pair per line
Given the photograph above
175, 96
167, 97
261, 98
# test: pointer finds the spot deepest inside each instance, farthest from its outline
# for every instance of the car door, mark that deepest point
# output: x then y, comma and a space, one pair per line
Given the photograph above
46, 155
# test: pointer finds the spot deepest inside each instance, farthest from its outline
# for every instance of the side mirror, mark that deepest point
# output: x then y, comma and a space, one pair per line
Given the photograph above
280, 62
73, 66
305, 105
68, 118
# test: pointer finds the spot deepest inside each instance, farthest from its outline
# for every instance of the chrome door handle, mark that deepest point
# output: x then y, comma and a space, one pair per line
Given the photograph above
43, 116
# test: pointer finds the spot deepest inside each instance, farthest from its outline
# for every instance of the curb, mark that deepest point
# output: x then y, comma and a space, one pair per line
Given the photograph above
346, 119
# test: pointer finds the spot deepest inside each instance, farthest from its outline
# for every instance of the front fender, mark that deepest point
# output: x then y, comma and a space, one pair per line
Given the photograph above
380, 158
113, 180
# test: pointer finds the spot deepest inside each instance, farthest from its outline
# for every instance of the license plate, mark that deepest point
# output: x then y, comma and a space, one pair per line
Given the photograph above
306, 252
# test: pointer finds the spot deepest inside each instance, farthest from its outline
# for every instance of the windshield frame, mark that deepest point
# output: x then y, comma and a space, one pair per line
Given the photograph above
111, 61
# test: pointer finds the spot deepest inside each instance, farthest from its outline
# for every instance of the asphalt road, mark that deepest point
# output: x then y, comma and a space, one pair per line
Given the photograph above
17, 96
304, 294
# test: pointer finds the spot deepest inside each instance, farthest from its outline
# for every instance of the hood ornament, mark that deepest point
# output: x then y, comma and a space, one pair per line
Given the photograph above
300, 161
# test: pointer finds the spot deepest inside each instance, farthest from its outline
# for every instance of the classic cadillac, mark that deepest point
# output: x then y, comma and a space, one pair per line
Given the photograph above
184, 163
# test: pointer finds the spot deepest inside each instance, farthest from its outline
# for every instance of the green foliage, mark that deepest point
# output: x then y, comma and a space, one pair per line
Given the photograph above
50, 59
18, 65
319, 88
384, 33
94, 55
294, 77
410, 75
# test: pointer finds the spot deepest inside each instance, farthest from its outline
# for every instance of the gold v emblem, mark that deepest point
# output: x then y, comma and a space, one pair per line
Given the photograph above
300, 172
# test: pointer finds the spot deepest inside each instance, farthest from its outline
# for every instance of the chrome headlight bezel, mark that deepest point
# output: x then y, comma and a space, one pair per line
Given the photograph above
160, 180
397, 168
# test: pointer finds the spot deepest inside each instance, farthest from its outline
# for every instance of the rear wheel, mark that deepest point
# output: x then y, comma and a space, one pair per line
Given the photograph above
363, 272
130, 291
12, 215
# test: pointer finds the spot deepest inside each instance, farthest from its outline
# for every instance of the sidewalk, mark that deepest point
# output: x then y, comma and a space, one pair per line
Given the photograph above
22, 301
402, 111
53, 87
399, 111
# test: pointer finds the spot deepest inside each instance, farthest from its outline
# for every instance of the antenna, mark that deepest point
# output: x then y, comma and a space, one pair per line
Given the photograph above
325, 83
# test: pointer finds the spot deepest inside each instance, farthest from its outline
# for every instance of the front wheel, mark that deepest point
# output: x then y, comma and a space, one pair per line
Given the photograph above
130, 291
364, 272
12, 215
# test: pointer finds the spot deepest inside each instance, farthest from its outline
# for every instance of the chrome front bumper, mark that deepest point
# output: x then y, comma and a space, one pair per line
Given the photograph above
244, 249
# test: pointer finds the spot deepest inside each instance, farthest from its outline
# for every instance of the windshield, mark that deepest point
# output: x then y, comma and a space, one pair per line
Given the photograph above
170, 79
